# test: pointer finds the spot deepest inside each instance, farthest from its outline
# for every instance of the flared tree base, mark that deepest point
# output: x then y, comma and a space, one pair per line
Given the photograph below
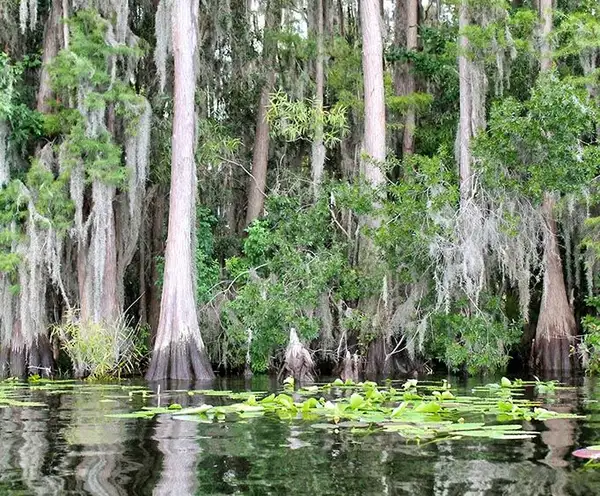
377, 362
22, 362
183, 361
553, 354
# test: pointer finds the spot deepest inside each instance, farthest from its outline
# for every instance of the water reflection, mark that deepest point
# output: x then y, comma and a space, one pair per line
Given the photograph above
73, 448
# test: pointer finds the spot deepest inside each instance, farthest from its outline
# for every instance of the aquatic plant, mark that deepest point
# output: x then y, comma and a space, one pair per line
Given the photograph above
416, 411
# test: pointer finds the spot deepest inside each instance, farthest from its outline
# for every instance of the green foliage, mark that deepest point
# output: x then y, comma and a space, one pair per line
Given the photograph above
100, 350
344, 75
428, 189
25, 124
82, 73
207, 268
590, 345
476, 342
540, 145
291, 257
50, 197
294, 120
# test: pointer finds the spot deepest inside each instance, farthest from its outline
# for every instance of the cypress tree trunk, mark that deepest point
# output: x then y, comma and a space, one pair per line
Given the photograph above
260, 157
374, 150
465, 121
52, 44
556, 326
407, 18
258, 181
318, 147
157, 247
179, 350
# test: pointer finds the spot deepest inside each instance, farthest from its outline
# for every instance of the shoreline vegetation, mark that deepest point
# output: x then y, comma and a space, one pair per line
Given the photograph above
300, 188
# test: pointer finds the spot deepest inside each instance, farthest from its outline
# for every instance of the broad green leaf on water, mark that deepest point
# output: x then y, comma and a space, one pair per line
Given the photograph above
192, 410
428, 407
411, 383
285, 400
142, 414
399, 409
309, 404
356, 401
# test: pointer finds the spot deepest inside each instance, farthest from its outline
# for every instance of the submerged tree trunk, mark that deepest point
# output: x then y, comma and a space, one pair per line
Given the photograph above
318, 147
556, 326
258, 182
179, 351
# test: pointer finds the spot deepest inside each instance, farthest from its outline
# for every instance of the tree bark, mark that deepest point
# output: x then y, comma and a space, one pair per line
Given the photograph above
556, 326
318, 147
374, 153
52, 43
465, 124
157, 247
260, 158
179, 351
545, 13
407, 19
372, 61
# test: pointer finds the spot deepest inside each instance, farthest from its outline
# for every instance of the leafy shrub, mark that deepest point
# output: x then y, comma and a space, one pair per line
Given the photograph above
589, 349
475, 342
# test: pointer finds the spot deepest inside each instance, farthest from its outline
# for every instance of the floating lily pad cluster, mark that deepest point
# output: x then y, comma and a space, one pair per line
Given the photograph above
416, 411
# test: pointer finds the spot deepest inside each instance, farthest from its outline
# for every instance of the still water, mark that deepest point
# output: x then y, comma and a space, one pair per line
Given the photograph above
70, 447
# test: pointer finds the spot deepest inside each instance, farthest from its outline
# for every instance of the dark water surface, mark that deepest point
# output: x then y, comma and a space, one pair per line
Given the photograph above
71, 447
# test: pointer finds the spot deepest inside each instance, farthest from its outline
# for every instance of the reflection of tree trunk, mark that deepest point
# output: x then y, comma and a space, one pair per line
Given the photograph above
177, 442
560, 439
9, 440
98, 471
99, 444
33, 452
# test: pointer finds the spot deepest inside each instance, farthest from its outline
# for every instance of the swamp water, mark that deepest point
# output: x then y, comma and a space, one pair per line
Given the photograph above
404, 438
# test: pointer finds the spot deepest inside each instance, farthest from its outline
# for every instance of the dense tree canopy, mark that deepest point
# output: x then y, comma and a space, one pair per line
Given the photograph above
311, 184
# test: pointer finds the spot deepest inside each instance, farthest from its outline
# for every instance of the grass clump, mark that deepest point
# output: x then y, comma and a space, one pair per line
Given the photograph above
102, 350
